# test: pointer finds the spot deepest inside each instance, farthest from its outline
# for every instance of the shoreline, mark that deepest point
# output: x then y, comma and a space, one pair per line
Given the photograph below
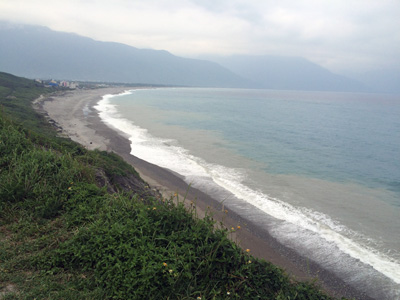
74, 114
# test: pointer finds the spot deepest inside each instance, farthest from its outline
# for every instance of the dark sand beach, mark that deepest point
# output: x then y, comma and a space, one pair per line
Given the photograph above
73, 113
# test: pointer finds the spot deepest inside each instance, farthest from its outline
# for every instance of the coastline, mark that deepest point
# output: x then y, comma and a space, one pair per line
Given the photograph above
75, 116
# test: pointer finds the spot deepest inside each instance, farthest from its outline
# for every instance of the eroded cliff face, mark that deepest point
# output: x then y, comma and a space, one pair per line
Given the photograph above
128, 183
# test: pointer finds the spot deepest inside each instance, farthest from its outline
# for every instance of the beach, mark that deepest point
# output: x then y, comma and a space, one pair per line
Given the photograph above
73, 113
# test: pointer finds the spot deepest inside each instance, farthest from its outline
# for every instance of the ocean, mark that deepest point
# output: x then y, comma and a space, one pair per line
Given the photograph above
319, 170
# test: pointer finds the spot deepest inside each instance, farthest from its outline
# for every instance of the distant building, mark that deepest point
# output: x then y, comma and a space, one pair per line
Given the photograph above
53, 83
63, 83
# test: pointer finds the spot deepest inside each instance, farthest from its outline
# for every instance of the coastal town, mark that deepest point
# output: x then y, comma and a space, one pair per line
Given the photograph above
58, 83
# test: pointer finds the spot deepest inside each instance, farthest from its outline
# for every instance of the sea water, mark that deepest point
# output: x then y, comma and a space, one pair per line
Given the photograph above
319, 170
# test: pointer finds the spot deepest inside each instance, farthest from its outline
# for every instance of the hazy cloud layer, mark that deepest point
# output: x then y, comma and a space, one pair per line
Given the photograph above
341, 35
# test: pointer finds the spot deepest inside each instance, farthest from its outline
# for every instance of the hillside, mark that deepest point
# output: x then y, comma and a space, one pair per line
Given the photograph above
69, 230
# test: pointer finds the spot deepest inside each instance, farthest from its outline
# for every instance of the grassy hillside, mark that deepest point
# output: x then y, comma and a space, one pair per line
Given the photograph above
68, 230
16, 95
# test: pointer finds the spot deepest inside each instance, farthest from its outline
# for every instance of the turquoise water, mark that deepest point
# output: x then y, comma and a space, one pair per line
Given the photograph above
320, 171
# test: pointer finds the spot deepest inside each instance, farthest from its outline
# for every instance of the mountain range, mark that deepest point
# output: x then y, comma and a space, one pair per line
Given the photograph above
38, 52
287, 73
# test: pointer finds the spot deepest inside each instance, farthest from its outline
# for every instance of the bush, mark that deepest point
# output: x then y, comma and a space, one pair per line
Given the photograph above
35, 178
159, 251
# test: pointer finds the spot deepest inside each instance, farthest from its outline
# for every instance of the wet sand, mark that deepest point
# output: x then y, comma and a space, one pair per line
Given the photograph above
74, 115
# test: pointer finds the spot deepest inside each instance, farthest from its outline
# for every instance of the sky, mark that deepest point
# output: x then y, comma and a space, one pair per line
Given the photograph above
341, 35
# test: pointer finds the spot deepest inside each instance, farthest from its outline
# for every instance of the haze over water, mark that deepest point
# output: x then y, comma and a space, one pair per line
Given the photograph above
319, 170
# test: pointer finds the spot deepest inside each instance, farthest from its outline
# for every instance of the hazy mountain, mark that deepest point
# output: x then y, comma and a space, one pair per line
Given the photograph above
38, 52
287, 73
384, 81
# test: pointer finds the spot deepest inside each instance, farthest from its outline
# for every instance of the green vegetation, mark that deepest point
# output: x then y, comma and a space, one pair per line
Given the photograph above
16, 95
68, 230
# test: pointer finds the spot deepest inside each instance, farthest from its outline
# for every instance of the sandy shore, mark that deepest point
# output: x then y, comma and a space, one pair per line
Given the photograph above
74, 114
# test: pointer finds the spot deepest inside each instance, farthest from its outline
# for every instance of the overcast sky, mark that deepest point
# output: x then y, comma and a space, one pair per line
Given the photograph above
342, 35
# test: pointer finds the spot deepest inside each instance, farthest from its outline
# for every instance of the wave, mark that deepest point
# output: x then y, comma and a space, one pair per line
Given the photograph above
330, 243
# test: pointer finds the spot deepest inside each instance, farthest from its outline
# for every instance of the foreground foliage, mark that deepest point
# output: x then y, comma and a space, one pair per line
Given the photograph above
65, 236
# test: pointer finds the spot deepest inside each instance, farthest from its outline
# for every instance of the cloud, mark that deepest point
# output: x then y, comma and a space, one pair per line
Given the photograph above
338, 34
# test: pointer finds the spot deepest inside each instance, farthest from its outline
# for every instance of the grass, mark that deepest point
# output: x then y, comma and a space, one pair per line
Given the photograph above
16, 96
63, 235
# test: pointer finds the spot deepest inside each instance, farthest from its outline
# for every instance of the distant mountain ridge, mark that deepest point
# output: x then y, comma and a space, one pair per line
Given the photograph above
38, 52
287, 73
